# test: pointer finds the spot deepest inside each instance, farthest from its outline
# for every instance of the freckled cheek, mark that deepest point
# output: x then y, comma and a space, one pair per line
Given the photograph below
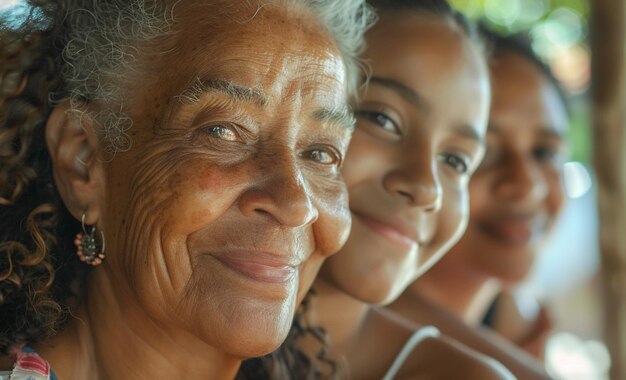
332, 228
203, 196
209, 179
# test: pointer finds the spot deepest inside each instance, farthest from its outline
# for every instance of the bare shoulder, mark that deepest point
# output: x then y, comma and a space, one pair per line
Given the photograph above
443, 358
384, 336
380, 340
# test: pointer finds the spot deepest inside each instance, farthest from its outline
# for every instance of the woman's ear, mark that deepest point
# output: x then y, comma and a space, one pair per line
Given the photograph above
72, 141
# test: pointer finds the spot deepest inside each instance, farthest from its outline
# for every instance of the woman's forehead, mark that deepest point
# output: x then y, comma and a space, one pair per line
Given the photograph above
293, 66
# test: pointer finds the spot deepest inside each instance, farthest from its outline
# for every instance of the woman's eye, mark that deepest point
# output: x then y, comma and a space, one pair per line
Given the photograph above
456, 162
545, 154
379, 119
322, 156
222, 132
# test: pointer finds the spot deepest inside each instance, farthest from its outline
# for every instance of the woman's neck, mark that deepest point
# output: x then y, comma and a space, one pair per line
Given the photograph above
465, 294
111, 336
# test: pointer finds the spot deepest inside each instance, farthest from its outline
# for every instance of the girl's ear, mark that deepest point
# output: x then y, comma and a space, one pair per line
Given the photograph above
72, 141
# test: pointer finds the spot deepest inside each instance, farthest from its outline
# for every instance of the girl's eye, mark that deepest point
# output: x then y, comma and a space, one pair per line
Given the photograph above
457, 163
222, 132
322, 156
379, 119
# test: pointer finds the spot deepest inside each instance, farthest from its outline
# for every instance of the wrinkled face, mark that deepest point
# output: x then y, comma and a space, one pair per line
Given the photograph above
419, 135
517, 191
232, 191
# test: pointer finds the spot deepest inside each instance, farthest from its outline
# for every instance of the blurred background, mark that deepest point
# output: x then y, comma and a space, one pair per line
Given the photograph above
566, 274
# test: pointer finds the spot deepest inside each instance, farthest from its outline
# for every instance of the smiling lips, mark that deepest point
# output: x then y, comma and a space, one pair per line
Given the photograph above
261, 266
395, 231
512, 230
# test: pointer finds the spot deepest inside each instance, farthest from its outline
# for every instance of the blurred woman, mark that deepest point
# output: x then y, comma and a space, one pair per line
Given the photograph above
203, 187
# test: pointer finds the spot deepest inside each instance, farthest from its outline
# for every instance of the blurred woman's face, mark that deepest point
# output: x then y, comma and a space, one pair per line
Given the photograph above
516, 193
419, 136
232, 191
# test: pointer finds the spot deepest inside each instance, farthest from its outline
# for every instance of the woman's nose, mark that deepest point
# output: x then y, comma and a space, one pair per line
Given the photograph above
417, 184
283, 194
521, 179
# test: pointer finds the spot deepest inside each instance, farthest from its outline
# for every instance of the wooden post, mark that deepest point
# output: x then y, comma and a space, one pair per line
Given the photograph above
608, 40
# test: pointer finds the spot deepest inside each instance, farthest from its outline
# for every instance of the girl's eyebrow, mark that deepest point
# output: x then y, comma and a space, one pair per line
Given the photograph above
470, 133
406, 92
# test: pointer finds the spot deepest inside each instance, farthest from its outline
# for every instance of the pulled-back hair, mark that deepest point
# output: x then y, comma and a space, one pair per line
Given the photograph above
521, 44
83, 51
440, 8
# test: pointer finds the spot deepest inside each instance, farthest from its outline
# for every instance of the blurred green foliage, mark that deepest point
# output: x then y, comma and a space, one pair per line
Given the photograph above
554, 26
515, 15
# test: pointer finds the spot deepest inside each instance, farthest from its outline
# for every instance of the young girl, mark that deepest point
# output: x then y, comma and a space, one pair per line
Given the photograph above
516, 194
419, 136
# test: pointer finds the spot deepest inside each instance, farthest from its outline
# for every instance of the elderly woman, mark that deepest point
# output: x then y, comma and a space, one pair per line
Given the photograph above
169, 180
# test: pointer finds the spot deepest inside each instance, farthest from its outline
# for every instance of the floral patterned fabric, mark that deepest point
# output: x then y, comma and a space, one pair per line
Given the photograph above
28, 366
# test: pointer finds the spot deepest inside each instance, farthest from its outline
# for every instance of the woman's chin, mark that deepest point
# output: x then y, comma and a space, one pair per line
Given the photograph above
257, 334
237, 323
260, 347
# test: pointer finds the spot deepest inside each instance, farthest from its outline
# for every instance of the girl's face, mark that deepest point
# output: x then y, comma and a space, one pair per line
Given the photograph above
516, 193
419, 136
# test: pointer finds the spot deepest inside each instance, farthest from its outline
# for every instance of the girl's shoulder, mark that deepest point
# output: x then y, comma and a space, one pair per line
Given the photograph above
422, 352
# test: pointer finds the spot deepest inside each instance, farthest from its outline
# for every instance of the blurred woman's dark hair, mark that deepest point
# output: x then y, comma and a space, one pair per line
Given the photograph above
519, 43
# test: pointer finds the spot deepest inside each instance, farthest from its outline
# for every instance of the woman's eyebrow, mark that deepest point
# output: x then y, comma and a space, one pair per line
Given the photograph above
407, 93
341, 116
201, 87
546, 131
552, 132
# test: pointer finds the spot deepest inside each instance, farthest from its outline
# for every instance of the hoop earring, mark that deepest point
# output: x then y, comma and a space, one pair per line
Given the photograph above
88, 248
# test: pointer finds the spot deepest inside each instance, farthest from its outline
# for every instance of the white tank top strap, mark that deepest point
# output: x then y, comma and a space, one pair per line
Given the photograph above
418, 337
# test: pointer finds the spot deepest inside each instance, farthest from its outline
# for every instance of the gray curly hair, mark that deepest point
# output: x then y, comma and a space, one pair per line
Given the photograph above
101, 39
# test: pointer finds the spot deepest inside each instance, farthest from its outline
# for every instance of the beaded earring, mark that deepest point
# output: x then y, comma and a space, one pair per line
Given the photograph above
88, 248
